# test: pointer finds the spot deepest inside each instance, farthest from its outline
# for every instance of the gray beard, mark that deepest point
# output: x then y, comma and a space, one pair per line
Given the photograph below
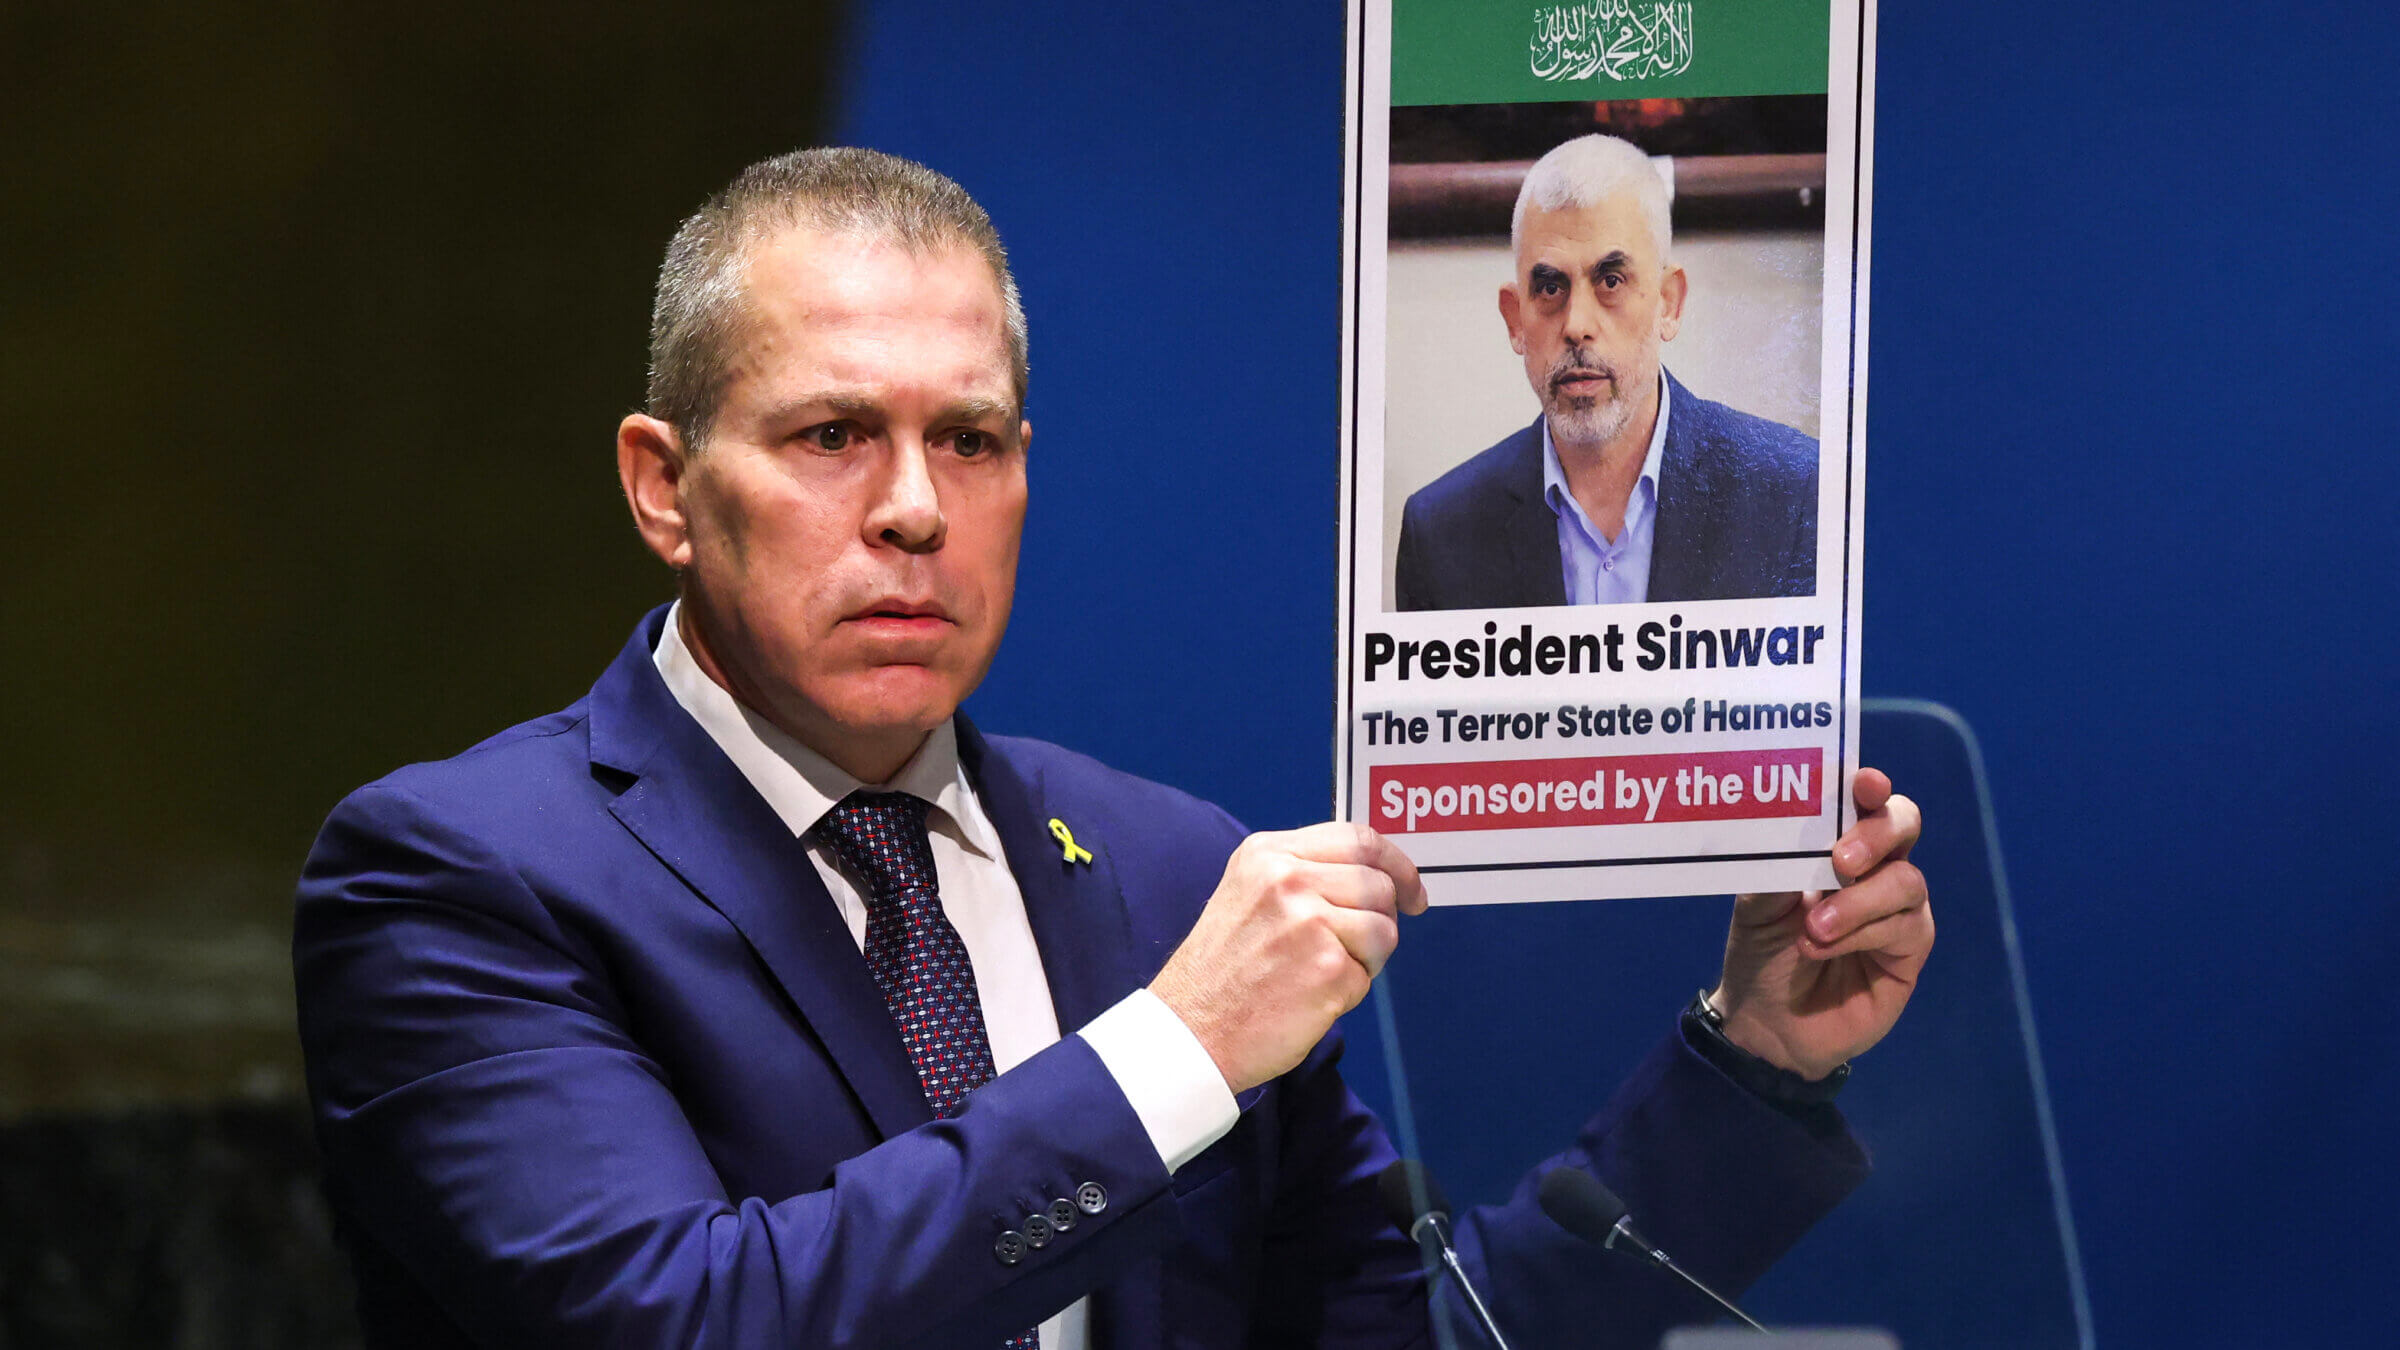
1598, 424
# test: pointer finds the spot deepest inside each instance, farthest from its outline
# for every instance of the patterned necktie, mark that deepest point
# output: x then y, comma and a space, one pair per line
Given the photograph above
917, 958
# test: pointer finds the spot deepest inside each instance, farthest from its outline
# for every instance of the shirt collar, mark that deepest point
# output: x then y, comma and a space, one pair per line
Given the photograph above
1554, 474
802, 785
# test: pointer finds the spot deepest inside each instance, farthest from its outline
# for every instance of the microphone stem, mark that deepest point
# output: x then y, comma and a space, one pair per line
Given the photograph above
1694, 1281
1458, 1275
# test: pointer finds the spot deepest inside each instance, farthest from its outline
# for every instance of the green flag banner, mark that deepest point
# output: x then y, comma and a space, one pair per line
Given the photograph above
1539, 51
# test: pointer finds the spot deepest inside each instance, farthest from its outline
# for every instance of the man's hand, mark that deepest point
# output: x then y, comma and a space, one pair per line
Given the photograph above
1813, 978
1293, 937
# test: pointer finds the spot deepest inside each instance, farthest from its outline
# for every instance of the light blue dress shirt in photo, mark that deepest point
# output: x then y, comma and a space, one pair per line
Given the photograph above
1600, 571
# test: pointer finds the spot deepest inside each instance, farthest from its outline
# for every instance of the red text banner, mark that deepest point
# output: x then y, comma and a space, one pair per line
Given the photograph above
1533, 794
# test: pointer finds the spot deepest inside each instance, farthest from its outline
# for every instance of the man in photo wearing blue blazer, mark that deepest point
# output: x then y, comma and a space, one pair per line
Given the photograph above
759, 999
1628, 487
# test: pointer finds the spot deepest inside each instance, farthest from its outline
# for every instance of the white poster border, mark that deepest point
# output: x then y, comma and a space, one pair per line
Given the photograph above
1688, 858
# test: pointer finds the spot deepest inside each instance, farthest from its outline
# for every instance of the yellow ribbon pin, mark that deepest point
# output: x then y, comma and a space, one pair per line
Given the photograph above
1068, 848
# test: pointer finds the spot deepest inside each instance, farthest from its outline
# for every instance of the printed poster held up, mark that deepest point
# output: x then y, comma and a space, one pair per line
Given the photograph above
1603, 440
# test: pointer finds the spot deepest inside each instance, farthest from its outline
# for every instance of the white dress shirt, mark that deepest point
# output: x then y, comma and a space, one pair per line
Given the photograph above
1167, 1076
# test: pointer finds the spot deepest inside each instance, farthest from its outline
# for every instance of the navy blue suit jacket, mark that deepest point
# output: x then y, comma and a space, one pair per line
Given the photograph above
1737, 517
596, 1062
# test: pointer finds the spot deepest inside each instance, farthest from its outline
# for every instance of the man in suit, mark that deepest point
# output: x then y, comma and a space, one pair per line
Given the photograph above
1628, 487
758, 999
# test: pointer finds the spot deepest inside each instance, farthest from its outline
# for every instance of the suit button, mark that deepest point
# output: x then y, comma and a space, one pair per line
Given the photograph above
1010, 1247
1037, 1231
1062, 1214
1091, 1197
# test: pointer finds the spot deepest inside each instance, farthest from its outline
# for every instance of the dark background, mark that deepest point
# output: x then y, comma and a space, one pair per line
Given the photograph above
317, 320
316, 323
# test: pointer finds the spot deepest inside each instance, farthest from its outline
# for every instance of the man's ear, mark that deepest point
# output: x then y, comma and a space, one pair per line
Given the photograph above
1510, 307
1671, 292
650, 467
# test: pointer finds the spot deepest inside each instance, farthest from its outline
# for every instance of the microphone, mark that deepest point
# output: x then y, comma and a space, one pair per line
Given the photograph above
1417, 1207
1578, 1202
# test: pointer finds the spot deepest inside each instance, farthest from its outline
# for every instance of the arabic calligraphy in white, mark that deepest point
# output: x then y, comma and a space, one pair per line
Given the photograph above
1621, 39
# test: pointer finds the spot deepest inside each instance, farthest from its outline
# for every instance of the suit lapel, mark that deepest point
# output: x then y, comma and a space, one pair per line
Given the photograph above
1535, 574
1085, 935
1076, 908
1684, 547
695, 811
692, 808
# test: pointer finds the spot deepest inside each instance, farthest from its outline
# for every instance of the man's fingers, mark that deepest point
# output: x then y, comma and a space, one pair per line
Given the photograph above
1336, 841
1896, 888
1408, 888
1907, 934
1368, 936
1403, 871
1350, 886
1768, 907
1879, 836
1869, 788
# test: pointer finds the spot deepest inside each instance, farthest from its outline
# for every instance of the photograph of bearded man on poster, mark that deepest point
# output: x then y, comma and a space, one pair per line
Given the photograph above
1628, 486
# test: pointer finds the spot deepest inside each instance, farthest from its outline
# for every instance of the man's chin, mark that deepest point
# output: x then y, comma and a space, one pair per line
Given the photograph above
870, 732
896, 699
1586, 421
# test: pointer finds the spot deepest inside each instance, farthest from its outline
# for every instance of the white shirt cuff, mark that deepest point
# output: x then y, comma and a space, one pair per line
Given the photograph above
1166, 1075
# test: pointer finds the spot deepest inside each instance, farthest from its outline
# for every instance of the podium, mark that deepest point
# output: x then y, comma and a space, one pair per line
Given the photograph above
1962, 1237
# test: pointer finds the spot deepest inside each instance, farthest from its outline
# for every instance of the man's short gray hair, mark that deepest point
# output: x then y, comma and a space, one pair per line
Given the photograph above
1587, 171
701, 312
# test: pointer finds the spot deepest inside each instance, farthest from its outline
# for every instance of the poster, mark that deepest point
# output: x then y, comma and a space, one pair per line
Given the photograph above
1603, 467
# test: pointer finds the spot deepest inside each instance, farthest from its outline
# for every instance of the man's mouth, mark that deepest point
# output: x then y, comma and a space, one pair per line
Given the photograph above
899, 612
1580, 380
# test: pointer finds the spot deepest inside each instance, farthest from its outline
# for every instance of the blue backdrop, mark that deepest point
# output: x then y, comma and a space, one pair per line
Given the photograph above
2133, 512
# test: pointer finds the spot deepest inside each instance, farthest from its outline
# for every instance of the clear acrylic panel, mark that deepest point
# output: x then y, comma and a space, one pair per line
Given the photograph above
1503, 1027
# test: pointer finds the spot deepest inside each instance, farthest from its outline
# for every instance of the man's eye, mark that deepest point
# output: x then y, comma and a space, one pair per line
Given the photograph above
969, 444
831, 436
1612, 280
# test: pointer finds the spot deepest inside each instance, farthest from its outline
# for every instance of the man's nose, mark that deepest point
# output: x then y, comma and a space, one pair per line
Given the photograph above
906, 512
1583, 313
